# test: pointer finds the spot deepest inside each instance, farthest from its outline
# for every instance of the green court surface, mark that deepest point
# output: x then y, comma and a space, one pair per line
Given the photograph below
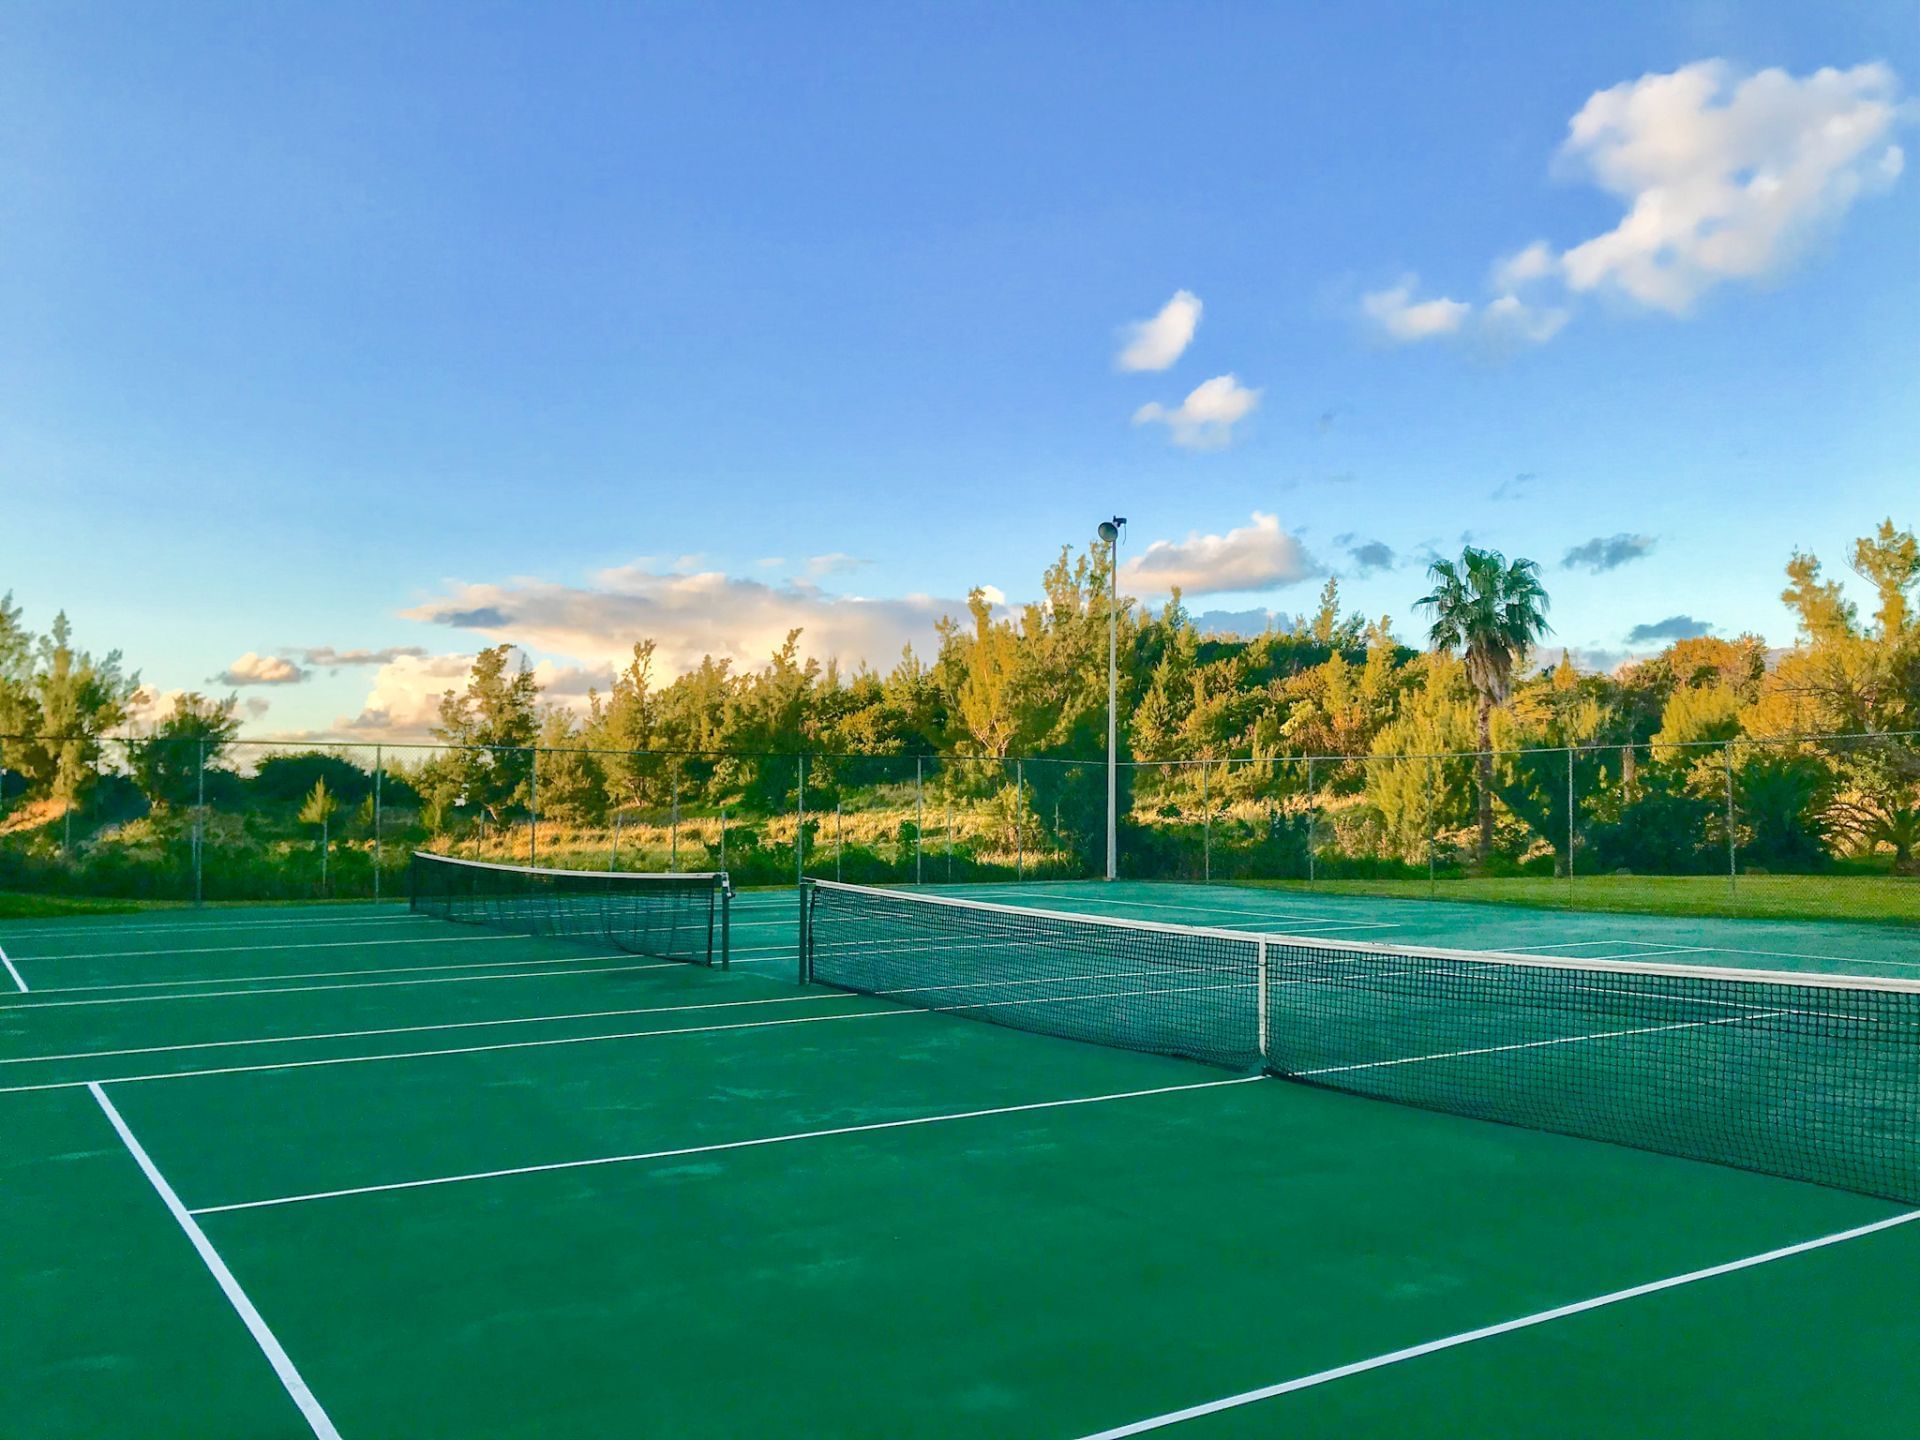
285, 1173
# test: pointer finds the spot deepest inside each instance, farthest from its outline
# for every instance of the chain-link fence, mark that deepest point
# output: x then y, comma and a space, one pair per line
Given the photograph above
1824, 826
1816, 826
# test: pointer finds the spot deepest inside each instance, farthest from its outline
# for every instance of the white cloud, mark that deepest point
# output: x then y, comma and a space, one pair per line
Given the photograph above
252, 669
1536, 262
993, 595
1403, 318
1510, 320
1155, 344
1724, 177
1205, 419
688, 616
1260, 556
838, 563
325, 657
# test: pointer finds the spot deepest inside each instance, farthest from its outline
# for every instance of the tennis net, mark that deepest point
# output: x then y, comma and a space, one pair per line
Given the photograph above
673, 917
1812, 1077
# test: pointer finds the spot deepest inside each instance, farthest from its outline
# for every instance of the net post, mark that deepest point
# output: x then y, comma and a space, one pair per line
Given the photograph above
376, 823
805, 948
726, 923
1266, 1054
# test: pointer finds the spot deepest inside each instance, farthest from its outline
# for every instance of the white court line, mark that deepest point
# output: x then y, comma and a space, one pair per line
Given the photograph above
419, 1029
18, 982
1539, 1044
452, 1050
283, 1366
310, 975
285, 945
352, 985
1642, 955
107, 924
1269, 917
1488, 1332
723, 1145
622, 1035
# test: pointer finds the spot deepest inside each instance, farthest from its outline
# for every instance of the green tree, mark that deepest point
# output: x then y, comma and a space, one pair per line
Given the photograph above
1493, 612
319, 810
79, 699
491, 727
194, 733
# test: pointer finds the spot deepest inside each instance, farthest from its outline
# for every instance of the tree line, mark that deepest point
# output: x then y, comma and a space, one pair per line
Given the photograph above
1656, 738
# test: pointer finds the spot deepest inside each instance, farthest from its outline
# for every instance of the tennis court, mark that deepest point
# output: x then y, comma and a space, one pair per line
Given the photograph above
354, 1170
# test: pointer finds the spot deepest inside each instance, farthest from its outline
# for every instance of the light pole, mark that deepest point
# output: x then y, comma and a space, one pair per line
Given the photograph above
1110, 532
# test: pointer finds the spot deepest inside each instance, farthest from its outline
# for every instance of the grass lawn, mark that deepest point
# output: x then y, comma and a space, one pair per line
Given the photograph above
16, 906
1774, 897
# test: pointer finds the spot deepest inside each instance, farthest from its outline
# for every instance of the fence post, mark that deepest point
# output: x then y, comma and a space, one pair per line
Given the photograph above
839, 841
1571, 813
673, 828
613, 855
800, 824
533, 809
377, 770
200, 825
723, 840
949, 842
1733, 865
919, 780
1313, 817
1206, 829
1429, 809
1019, 812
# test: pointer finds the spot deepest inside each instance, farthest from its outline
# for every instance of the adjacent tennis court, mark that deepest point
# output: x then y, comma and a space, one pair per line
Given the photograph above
362, 1171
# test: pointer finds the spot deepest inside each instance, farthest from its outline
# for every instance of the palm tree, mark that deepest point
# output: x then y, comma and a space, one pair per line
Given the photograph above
1494, 612
319, 810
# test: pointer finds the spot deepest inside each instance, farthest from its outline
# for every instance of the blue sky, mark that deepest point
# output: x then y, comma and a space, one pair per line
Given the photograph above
336, 342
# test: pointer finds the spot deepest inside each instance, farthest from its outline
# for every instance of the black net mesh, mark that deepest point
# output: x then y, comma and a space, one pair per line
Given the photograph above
672, 917
1164, 989
1814, 1078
